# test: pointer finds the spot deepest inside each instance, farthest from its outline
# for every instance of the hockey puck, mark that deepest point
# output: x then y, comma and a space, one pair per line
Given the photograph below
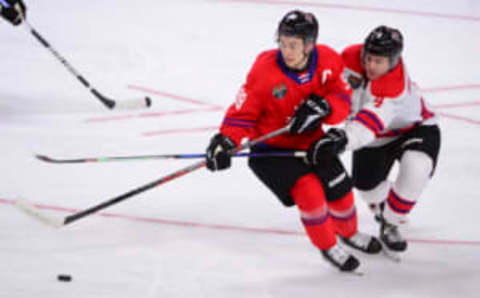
64, 277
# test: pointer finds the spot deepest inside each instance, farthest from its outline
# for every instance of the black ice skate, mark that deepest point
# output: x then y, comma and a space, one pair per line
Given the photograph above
363, 242
340, 258
391, 237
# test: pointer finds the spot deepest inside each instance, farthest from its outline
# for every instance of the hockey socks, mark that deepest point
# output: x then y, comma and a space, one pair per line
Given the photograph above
310, 198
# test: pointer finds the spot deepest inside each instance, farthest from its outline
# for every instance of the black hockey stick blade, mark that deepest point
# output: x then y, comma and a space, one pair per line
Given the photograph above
53, 160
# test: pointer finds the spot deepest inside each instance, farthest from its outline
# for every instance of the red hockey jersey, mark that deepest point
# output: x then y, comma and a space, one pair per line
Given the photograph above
268, 99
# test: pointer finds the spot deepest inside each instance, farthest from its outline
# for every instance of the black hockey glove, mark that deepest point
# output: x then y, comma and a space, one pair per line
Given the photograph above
331, 144
13, 11
309, 115
218, 155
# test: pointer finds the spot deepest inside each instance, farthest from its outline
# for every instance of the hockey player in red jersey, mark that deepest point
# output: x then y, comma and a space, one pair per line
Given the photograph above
299, 85
391, 122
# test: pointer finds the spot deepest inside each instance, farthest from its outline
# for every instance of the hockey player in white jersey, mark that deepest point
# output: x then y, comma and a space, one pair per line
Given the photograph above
390, 122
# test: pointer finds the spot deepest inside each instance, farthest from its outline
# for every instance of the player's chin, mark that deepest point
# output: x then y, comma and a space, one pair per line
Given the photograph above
290, 62
372, 75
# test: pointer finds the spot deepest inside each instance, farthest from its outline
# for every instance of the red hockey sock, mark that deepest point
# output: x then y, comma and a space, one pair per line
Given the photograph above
344, 215
309, 196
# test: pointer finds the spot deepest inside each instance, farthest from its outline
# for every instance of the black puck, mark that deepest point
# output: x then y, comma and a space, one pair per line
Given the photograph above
64, 277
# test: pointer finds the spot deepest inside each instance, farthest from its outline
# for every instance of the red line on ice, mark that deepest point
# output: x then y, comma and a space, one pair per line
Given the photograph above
207, 107
151, 115
450, 88
173, 96
223, 227
361, 8
461, 118
457, 105
214, 108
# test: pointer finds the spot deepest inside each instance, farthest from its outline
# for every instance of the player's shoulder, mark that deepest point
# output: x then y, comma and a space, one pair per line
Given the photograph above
265, 59
391, 85
264, 64
326, 52
352, 57
328, 58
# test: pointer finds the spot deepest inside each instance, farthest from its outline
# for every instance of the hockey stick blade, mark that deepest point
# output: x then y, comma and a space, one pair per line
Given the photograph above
53, 160
30, 209
133, 104
45, 158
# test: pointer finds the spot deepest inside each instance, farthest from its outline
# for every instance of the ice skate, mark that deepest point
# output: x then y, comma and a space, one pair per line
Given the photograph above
391, 237
340, 258
363, 242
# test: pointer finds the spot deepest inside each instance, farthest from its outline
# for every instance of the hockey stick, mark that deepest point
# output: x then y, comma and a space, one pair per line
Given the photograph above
58, 222
48, 159
110, 103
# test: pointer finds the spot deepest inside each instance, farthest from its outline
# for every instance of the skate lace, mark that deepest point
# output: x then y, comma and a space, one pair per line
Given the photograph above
338, 254
360, 240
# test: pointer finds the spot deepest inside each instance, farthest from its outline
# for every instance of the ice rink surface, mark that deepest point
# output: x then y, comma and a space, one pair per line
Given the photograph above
211, 235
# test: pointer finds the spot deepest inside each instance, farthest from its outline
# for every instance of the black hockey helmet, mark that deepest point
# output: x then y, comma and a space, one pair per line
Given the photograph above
299, 24
384, 41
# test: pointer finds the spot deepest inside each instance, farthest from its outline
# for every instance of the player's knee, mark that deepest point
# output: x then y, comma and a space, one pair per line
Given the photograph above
376, 194
308, 193
414, 173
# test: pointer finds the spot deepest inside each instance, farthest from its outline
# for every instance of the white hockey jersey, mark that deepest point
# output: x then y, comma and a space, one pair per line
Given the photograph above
384, 108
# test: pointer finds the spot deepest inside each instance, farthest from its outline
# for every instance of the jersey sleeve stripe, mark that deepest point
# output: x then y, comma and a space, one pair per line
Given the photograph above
370, 120
235, 122
371, 117
239, 120
225, 123
366, 124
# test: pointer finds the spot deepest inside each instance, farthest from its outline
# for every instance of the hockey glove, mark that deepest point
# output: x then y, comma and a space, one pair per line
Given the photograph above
218, 153
13, 11
331, 144
309, 115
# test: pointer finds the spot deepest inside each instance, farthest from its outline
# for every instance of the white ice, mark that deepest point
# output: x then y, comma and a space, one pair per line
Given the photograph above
204, 234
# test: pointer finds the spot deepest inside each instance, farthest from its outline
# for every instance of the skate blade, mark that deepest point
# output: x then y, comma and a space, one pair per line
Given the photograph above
390, 254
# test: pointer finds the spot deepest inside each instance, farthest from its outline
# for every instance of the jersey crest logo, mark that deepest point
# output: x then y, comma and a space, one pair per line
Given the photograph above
240, 98
378, 101
279, 91
354, 81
